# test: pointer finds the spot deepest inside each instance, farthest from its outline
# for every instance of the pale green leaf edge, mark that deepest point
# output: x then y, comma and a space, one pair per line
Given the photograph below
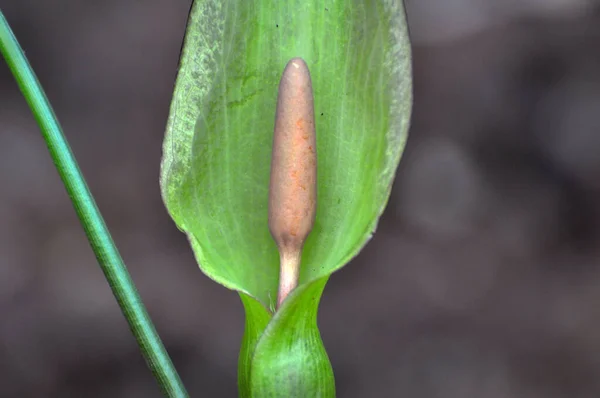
399, 62
183, 109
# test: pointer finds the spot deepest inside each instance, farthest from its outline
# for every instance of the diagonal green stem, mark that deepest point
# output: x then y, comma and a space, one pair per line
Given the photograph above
102, 244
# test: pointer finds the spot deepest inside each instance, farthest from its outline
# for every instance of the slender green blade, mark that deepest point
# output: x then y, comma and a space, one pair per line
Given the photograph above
92, 222
217, 149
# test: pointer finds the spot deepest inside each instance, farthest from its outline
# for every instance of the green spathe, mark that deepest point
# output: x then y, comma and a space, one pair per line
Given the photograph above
217, 149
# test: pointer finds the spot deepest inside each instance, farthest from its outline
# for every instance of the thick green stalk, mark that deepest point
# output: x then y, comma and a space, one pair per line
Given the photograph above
97, 233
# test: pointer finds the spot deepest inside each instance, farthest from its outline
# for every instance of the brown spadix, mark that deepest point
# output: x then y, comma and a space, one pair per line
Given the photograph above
293, 186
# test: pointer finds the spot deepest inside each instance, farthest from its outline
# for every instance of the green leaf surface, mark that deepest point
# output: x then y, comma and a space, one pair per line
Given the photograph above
289, 359
257, 319
217, 149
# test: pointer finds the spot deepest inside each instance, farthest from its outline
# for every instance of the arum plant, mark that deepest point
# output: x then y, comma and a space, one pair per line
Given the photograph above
265, 90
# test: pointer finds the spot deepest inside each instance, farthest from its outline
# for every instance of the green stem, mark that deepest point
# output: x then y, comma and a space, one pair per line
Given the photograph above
102, 244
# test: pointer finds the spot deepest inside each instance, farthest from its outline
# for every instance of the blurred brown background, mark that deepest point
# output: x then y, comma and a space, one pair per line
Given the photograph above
483, 279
